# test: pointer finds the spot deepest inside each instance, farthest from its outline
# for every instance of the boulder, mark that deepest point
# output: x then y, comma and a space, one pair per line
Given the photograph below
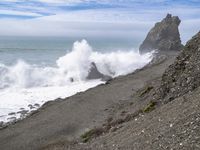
164, 36
95, 74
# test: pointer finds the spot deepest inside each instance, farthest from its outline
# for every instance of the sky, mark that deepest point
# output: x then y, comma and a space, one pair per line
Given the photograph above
102, 18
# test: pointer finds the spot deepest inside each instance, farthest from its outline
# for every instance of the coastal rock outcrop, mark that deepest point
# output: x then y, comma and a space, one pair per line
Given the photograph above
164, 36
183, 75
95, 74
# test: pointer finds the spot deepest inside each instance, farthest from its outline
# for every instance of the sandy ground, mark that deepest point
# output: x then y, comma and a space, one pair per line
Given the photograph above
63, 120
174, 126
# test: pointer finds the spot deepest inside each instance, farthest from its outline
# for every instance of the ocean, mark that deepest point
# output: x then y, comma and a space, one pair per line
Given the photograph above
34, 70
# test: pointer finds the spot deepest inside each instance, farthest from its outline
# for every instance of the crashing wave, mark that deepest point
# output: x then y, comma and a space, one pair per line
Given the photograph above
23, 84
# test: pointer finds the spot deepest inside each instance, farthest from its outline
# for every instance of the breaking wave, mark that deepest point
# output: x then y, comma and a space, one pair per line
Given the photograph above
23, 84
75, 64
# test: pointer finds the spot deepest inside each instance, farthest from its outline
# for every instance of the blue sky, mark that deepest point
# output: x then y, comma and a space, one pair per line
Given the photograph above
93, 17
25, 9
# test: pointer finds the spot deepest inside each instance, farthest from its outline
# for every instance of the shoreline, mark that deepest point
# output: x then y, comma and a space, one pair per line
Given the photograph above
30, 109
28, 113
69, 118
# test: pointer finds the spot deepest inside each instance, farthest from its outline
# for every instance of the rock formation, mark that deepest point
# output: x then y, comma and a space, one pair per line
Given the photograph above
164, 36
183, 75
95, 74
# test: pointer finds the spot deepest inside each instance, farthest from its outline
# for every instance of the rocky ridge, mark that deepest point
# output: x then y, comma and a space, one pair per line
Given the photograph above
183, 75
148, 124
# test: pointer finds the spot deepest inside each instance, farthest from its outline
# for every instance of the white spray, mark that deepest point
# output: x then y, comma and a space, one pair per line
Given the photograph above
24, 84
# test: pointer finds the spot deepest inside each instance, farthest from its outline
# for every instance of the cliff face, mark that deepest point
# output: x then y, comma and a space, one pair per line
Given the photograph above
184, 74
164, 36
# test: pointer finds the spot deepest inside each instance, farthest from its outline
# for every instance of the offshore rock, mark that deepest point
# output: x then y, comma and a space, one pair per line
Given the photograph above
95, 74
164, 36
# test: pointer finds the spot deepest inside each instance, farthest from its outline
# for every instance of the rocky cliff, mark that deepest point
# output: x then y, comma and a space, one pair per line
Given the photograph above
164, 36
183, 75
147, 124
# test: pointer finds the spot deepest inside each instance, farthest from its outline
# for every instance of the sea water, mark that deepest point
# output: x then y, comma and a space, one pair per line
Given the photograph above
34, 70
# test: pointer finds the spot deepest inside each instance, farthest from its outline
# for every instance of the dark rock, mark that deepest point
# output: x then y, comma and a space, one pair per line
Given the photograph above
12, 119
23, 112
71, 79
164, 36
31, 106
1, 124
37, 105
12, 113
95, 74
183, 75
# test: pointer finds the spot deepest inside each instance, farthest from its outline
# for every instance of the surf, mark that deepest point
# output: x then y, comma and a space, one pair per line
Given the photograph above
24, 84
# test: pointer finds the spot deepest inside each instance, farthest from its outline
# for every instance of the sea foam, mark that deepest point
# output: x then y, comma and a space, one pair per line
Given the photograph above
23, 84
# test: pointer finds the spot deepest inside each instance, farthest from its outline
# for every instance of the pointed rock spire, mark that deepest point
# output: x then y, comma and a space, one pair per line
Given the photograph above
164, 36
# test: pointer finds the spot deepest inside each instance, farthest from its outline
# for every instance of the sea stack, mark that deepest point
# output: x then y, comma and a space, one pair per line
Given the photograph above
95, 74
164, 36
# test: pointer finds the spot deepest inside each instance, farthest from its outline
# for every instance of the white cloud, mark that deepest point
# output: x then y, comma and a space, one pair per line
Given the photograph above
19, 13
60, 1
100, 26
10, 0
83, 29
126, 22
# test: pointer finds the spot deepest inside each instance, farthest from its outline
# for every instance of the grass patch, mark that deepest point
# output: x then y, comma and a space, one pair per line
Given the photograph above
150, 107
91, 134
147, 89
108, 126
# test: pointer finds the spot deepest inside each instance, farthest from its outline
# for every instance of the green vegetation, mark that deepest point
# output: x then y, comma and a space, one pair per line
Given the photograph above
150, 107
91, 134
146, 89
